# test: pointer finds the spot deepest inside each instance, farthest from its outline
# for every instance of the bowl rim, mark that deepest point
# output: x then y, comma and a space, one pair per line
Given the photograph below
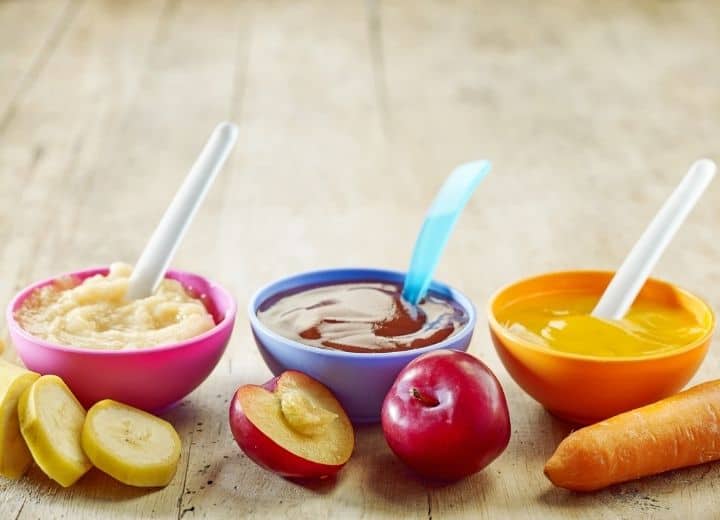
21, 295
457, 296
499, 329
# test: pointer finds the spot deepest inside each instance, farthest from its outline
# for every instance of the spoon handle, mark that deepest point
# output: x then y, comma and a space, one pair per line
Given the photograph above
634, 271
155, 258
438, 224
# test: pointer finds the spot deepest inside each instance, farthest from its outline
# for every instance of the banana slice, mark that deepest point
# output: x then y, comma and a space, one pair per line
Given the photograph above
51, 419
130, 445
15, 457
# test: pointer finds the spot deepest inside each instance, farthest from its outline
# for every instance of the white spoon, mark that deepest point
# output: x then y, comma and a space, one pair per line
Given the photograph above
634, 271
153, 262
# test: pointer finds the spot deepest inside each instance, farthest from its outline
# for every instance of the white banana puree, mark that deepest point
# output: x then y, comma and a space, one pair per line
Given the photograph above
95, 314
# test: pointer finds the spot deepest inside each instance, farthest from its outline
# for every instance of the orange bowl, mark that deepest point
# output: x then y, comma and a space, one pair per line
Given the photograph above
586, 389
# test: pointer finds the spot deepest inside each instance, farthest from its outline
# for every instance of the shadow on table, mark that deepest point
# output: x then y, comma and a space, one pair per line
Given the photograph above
388, 478
649, 492
321, 486
94, 484
182, 415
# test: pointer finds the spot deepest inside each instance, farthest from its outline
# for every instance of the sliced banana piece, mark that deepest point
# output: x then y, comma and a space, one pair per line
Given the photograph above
15, 457
130, 445
51, 420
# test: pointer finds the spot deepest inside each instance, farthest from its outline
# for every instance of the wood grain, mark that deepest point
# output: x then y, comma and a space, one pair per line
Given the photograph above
351, 114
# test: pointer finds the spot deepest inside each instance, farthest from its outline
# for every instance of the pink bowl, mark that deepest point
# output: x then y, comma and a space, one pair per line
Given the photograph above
151, 378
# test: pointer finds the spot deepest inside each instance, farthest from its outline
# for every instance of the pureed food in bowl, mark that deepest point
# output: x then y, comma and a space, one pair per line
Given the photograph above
361, 379
561, 321
361, 316
93, 313
151, 378
583, 369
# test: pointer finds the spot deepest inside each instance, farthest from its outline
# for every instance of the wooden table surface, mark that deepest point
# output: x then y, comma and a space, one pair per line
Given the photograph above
351, 113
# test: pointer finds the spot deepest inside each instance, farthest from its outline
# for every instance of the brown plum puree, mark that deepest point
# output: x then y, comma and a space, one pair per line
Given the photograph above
361, 317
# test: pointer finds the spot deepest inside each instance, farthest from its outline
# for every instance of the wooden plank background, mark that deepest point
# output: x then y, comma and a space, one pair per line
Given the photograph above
351, 113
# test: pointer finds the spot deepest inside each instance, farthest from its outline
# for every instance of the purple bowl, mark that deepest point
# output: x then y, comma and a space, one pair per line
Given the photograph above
152, 378
360, 381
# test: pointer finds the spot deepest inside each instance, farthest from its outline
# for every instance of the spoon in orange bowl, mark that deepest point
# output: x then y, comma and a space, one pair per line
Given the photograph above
637, 266
154, 260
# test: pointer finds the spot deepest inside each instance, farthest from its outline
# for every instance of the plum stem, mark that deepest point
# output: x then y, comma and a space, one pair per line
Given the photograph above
425, 399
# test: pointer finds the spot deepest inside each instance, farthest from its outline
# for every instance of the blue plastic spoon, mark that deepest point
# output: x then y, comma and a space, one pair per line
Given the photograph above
438, 225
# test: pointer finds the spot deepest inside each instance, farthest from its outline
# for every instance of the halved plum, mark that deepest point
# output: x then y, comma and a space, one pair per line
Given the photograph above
292, 425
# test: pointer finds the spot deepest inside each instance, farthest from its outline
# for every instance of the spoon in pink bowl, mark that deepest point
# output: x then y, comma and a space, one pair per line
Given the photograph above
150, 268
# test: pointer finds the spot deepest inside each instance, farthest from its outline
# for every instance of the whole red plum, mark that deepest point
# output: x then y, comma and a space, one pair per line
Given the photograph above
446, 415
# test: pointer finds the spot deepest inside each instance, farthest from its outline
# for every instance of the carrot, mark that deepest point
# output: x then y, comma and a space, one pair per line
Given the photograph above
679, 431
